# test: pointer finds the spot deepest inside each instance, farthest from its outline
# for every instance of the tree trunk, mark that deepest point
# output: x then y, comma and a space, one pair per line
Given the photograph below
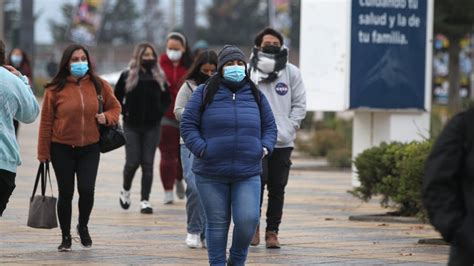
454, 104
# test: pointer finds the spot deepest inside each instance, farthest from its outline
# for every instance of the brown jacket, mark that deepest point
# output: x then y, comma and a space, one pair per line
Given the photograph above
68, 116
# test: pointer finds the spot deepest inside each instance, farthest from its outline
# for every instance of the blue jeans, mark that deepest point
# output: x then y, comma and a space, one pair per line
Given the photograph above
194, 209
219, 196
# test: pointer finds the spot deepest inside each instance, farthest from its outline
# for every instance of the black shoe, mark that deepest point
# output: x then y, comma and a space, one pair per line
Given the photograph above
83, 233
65, 244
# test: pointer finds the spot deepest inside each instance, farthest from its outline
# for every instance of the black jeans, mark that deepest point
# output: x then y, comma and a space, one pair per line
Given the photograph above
140, 150
276, 169
7, 185
68, 162
459, 256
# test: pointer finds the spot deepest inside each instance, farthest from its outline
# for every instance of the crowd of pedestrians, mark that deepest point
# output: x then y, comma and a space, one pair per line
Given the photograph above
224, 125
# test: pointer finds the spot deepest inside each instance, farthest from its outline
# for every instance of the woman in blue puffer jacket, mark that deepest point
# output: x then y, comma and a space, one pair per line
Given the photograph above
229, 126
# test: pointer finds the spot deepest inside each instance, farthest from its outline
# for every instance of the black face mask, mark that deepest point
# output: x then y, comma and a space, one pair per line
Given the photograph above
201, 78
271, 49
148, 64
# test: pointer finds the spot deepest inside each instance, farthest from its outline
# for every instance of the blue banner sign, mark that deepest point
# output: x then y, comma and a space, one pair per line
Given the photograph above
388, 44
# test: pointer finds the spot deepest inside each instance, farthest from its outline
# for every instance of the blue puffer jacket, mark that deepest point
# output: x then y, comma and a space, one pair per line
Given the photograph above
228, 137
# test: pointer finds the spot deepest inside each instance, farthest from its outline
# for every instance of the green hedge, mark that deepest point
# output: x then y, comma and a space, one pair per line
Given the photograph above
395, 172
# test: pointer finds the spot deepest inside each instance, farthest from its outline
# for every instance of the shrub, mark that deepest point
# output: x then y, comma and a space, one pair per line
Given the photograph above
394, 171
341, 157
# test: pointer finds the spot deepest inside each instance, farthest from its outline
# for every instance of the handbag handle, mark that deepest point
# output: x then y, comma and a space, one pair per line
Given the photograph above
42, 174
39, 175
48, 176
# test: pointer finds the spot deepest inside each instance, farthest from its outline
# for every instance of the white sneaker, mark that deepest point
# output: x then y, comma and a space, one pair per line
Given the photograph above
145, 207
125, 198
193, 240
180, 191
168, 197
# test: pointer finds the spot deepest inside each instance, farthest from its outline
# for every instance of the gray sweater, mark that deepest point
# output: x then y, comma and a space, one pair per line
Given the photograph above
287, 98
184, 93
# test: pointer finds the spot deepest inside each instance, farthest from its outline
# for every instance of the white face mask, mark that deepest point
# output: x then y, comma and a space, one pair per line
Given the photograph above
174, 55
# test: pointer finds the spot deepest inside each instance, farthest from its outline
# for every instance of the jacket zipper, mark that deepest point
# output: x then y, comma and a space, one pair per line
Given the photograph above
82, 113
235, 134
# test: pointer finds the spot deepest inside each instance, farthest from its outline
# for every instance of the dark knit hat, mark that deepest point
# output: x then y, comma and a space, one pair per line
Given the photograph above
229, 53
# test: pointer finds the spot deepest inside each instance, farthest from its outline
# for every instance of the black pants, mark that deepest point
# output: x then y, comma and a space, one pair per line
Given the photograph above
459, 256
67, 163
140, 150
276, 169
16, 125
7, 185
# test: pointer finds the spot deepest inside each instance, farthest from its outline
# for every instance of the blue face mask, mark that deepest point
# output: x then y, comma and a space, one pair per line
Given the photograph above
16, 60
79, 69
234, 73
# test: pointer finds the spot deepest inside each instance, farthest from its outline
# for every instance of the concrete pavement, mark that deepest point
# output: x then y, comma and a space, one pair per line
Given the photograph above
315, 228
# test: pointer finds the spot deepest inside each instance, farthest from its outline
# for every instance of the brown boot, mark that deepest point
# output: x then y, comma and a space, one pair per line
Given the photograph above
256, 237
271, 239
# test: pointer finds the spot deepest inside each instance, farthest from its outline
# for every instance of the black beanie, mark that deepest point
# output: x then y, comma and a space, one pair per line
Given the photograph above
229, 53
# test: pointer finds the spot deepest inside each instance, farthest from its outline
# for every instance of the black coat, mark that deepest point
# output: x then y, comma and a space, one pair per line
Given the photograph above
145, 105
448, 186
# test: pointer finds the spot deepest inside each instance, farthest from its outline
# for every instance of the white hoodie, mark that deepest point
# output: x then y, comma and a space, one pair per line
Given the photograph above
287, 98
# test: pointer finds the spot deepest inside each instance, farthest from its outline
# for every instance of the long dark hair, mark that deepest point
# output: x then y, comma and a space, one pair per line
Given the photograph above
60, 79
187, 58
24, 62
204, 57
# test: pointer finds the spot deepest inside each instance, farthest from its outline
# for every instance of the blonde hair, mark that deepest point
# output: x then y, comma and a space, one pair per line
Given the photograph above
136, 63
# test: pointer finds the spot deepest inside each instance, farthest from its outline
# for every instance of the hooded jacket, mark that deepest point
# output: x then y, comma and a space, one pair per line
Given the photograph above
68, 115
228, 137
173, 74
448, 185
18, 102
287, 98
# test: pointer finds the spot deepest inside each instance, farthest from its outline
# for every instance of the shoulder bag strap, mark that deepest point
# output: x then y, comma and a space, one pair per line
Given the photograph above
48, 176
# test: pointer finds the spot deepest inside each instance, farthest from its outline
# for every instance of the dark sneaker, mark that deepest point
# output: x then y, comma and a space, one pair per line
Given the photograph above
65, 244
271, 240
83, 233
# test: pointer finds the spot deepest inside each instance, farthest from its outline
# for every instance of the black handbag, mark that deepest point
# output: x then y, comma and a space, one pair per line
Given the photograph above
42, 212
111, 137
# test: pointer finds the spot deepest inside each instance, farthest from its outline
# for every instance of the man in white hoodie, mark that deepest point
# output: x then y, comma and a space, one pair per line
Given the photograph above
282, 85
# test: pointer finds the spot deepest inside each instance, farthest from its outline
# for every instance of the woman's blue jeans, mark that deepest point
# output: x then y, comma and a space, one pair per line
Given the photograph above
194, 209
222, 199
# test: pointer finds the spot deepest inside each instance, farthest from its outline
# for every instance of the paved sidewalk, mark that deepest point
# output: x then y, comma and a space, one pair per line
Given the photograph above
315, 228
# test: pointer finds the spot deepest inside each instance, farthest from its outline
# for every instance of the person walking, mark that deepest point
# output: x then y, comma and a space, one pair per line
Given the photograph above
204, 66
229, 127
281, 82
20, 60
69, 135
448, 187
16, 102
175, 63
142, 92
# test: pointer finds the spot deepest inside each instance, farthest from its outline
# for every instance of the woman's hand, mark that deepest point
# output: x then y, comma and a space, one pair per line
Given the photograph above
13, 70
101, 118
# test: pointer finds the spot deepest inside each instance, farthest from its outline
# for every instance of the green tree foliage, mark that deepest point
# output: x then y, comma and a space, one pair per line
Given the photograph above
235, 21
60, 29
455, 19
119, 23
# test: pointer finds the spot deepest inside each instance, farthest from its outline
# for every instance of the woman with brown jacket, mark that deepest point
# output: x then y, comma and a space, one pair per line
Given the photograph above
69, 135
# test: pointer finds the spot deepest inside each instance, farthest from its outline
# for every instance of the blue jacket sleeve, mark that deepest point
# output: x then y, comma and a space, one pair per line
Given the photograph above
190, 126
269, 128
